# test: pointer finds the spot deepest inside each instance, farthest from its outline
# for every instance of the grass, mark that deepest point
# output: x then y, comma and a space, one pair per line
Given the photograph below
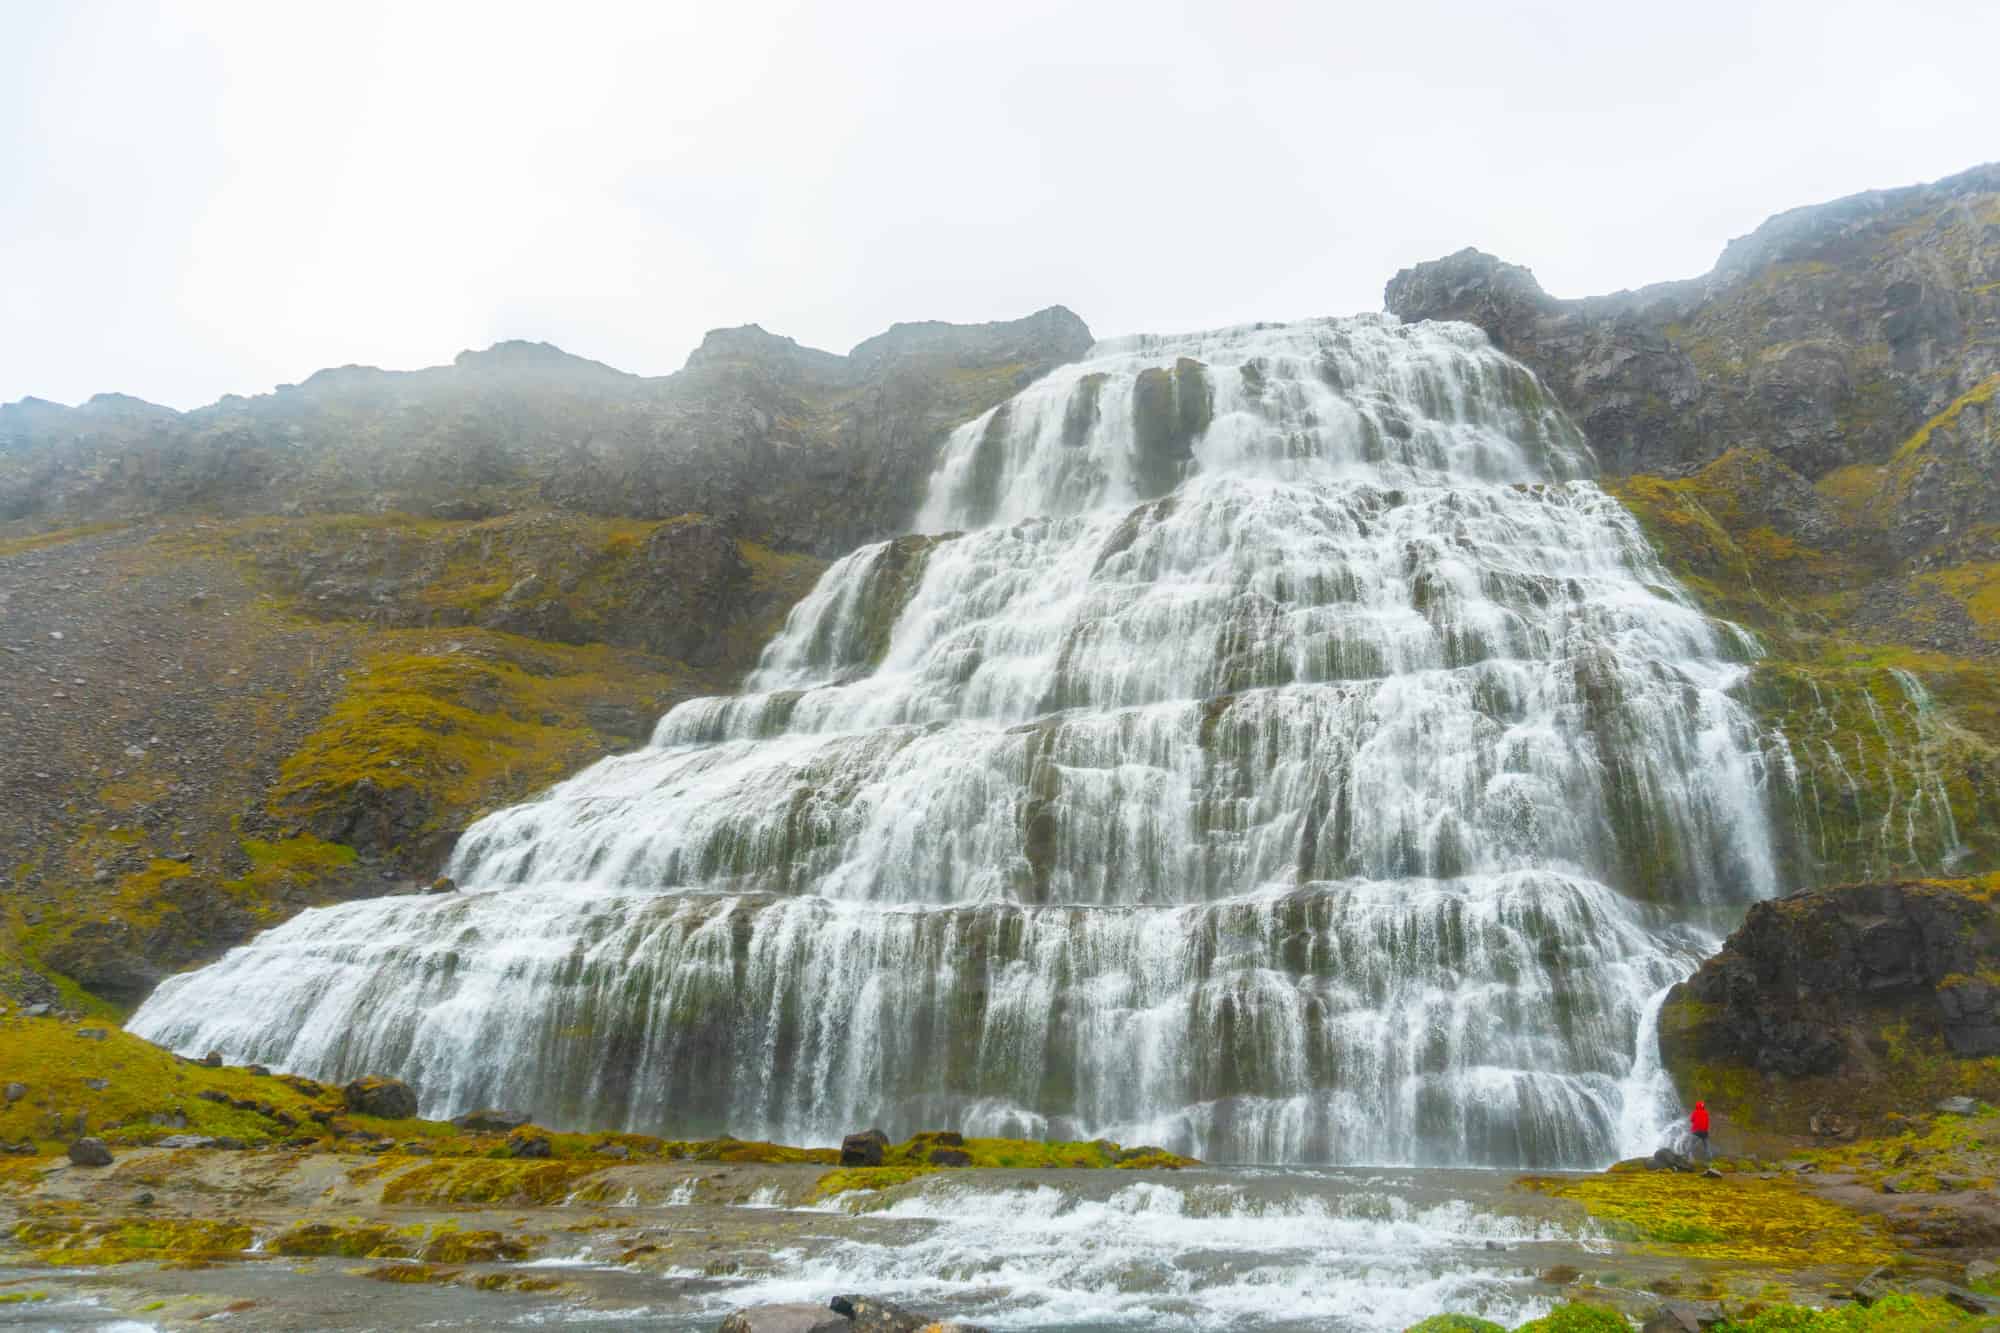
909, 1160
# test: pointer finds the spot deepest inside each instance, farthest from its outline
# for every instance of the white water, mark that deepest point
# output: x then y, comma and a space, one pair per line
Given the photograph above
1348, 789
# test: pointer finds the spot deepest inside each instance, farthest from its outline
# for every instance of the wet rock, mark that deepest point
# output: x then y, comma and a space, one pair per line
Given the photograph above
225, 1143
1682, 1317
865, 1314
1874, 1287
1666, 1159
442, 884
617, 1151
14, 1092
949, 1157
490, 1121
90, 1152
213, 1060
387, 1098
863, 1149
25, 1148
1558, 1275
186, 1141
1959, 1106
256, 1071
792, 1318
299, 1083
528, 1143
143, 1199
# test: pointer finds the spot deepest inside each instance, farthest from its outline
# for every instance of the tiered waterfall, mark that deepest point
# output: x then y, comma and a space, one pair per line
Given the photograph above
1287, 754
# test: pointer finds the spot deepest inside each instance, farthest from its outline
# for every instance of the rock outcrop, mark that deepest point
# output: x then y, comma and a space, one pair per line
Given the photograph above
800, 448
1827, 336
1872, 995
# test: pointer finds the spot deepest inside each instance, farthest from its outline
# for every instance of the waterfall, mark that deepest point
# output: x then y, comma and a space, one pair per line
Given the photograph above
1278, 749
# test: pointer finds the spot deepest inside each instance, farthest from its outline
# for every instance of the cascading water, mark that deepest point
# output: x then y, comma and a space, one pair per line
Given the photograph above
1289, 757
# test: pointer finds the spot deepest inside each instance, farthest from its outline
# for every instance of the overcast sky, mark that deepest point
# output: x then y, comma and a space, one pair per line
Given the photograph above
204, 198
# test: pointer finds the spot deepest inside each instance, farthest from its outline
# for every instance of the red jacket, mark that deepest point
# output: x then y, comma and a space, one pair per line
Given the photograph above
1699, 1120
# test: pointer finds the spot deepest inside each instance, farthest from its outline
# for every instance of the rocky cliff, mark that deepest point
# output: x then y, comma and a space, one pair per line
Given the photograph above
801, 449
275, 652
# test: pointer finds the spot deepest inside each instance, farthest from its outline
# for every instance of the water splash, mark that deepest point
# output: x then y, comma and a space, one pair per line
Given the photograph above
1294, 759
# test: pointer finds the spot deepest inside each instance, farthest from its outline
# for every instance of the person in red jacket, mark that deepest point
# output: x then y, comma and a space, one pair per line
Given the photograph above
1698, 1122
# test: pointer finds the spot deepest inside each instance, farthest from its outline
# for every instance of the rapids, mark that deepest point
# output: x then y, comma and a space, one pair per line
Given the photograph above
1279, 750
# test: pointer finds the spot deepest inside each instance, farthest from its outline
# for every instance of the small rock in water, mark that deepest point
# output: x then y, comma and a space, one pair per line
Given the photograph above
863, 1149
442, 884
793, 1318
865, 1314
90, 1152
1560, 1275
1959, 1106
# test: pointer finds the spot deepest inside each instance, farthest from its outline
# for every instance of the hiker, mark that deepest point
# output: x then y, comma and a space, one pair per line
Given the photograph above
1698, 1122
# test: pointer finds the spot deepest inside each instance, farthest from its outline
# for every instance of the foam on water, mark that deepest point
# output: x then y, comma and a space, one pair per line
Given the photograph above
1289, 756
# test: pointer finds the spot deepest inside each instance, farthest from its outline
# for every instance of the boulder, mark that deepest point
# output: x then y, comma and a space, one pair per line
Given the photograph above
792, 1318
213, 1060
388, 1098
442, 884
863, 1149
1682, 1317
1666, 1159
186, 1141
90, 1152
865, 1314
1971, 1302
14, 1092
950, 1157
490, 1121
528, 1143
1959, 1106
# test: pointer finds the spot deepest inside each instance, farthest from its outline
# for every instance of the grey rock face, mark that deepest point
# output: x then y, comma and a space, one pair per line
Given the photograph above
388, 1098
1827, 336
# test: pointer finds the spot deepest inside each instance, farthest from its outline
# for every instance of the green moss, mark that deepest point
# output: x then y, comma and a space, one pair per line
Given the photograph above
1979, 394
1892, 1314
141, 1082
1578, 1317
1771, 1223
56, 537
482, 1181
323, 1239
1455, 1323
71, 1242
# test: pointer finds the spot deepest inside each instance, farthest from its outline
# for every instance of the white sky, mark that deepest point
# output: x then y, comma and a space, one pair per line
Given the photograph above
203, 198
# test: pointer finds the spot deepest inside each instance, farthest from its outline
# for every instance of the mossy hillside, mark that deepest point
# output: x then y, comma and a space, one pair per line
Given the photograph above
141, 1082
1768, 1224
437, 726
73, 1242
18, 538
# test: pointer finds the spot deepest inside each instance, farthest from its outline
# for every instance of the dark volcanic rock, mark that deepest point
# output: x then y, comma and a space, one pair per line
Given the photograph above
863, 1149
868, 1315
1826, 336
90, 1152
1802, 985
388, 1098
795, 1317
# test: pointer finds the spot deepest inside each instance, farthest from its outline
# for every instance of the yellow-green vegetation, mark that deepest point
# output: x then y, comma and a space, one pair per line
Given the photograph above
409, 1273
1578, 1317
141, 1082
442, 726
910, 1159
325, 1239
36, 541
1967, 1147
1978, 395
21, 1297
72, 1242
1769, 1223
1899, 1313
479, 1181
1455, 1323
